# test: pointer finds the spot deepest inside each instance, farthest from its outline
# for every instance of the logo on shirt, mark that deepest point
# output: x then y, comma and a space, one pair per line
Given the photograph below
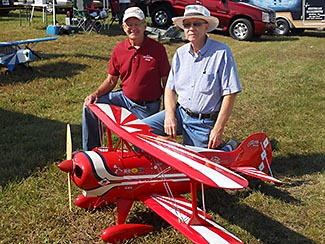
148, 57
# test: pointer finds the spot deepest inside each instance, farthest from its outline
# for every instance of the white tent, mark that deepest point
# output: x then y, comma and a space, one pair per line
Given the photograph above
54, 15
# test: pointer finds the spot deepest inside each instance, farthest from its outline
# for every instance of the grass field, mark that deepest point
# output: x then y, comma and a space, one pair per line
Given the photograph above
283, 96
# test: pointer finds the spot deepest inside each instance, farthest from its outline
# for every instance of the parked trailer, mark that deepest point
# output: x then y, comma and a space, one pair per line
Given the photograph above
295, 15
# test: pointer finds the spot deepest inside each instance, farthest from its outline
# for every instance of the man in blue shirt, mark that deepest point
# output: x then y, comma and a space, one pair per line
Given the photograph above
201, 87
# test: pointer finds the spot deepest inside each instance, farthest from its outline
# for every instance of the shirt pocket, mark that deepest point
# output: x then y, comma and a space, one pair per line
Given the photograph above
208, 83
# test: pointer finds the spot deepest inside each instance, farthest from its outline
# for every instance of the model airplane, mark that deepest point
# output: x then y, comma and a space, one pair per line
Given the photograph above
157, 172
19, 52
172, 33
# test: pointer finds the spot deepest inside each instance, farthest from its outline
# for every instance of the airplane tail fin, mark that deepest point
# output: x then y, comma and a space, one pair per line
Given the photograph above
253, 157
254, 151
256, 158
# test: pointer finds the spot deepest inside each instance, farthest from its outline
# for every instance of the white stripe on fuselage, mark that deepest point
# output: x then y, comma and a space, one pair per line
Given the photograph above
101, 171
105, 188
125, 180
99, 166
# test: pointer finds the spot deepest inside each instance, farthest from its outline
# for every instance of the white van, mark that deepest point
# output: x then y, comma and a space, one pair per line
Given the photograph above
295, 15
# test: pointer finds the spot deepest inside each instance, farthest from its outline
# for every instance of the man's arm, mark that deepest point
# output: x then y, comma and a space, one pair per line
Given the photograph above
170, 122
227, 105
163, 81
108, 85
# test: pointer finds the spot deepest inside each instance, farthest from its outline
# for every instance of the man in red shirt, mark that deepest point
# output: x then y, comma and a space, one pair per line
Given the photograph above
142, 66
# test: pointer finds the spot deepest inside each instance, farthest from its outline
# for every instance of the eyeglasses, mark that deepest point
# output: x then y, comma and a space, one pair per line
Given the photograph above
196, 24
133, 25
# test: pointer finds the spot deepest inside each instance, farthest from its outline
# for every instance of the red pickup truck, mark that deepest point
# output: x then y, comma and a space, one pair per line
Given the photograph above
241, 20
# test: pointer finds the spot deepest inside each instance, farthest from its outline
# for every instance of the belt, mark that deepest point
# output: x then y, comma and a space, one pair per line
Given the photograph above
142, 103
213, 115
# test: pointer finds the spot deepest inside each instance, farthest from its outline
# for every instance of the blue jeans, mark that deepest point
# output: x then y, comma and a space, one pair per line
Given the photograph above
195, 131
91, 135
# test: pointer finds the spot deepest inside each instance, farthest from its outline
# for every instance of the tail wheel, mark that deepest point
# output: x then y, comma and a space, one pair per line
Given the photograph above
241, 29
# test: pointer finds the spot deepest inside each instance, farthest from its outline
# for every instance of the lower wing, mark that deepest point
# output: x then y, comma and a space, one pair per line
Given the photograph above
178, 212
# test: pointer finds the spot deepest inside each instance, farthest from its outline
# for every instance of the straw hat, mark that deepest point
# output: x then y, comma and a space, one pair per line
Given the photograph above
199, 12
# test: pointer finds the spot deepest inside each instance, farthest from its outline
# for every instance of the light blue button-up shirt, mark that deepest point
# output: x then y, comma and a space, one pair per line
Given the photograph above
201, 81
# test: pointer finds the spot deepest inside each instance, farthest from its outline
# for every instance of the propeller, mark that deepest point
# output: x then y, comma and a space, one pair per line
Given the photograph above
69, 157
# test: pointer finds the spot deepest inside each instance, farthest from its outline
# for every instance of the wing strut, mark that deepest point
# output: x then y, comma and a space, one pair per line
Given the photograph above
195, 219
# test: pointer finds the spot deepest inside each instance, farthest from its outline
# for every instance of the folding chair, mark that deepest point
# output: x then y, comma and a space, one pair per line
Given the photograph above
80, 15
98, 21
88, 18
113, 5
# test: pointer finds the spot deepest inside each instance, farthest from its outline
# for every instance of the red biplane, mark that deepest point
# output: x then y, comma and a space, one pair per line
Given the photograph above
144, 167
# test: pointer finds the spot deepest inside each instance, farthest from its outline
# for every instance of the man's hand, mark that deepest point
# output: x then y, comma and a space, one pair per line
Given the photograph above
215, 138
92, 98
170, 125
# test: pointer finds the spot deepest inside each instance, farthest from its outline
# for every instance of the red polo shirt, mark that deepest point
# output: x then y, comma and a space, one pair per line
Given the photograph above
140, 70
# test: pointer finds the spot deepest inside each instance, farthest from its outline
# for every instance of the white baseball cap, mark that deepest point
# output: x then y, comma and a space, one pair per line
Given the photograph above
198, 12
134, 12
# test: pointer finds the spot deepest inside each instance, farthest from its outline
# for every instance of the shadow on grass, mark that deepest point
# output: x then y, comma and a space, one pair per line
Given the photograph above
298, 165
96, 57
228, 207
12, 16
22, 73
28, 143
256, 223
311, 33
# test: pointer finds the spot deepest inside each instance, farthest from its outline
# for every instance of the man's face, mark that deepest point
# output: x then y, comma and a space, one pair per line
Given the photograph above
195, 28
134, 28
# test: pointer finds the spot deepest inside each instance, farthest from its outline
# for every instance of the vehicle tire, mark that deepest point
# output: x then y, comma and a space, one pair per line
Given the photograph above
282, 27
241, 29
161, 17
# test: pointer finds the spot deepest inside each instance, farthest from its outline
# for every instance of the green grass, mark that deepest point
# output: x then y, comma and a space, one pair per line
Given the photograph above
283, 96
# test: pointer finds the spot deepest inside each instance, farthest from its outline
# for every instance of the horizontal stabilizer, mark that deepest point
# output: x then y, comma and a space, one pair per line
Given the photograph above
178, 213
251, 171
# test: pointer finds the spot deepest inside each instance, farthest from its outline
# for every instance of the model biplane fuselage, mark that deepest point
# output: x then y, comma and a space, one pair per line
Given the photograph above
144, 167
19, 52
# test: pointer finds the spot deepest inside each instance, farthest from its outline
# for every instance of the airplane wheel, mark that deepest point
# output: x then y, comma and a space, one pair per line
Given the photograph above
122, 232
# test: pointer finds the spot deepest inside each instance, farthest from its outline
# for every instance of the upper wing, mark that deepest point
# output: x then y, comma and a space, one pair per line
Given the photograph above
17, 43
178, 213
199, 168
7, 44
